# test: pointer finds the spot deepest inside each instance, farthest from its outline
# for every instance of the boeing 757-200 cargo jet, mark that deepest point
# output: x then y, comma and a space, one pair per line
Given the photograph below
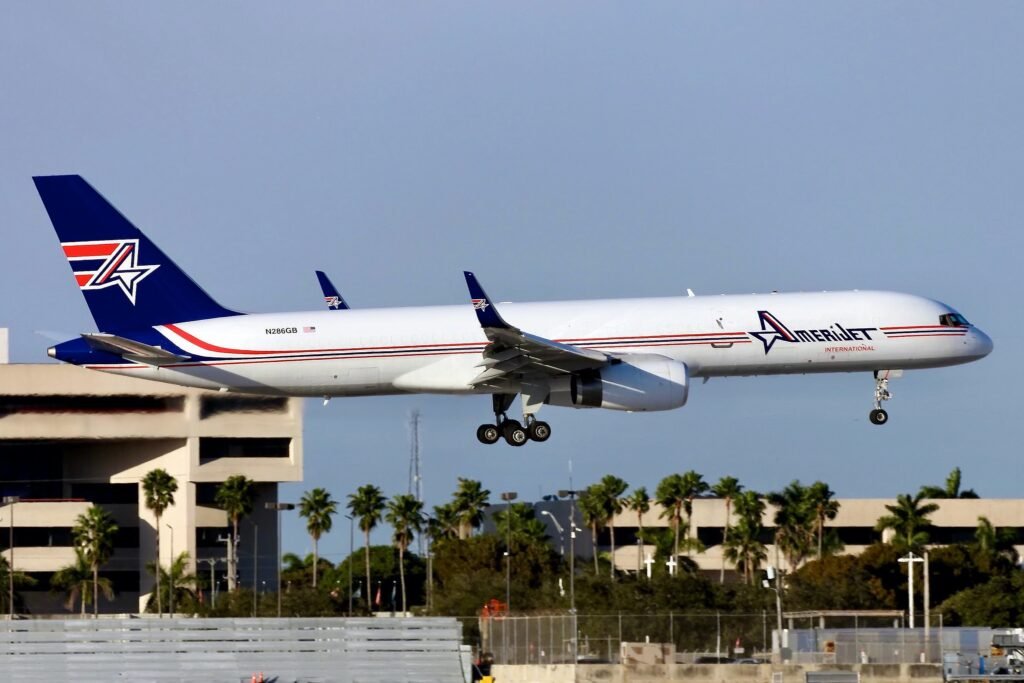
155, 322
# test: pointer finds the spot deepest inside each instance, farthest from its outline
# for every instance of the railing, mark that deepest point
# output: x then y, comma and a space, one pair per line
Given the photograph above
419, 649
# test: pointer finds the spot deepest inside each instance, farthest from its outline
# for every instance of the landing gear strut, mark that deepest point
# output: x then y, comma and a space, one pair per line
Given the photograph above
878, 416
514, 433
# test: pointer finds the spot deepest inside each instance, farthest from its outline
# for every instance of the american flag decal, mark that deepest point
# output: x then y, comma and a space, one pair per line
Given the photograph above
309, 329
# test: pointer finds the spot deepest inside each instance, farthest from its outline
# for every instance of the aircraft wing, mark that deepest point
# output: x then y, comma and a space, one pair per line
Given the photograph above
131, 350
514, 353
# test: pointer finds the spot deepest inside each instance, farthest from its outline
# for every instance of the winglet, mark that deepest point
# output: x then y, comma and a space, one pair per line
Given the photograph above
486, 313
332, 296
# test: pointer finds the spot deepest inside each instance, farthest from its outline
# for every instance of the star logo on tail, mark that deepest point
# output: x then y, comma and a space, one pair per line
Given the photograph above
103, 264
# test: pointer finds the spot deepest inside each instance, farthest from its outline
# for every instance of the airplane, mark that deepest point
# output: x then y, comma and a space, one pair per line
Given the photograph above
632, 355
332, 297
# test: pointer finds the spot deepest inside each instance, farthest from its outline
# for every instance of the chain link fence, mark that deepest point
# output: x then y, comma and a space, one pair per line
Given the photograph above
554, 639
710, 638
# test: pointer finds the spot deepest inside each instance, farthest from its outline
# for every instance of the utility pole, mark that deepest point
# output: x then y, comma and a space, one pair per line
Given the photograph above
212, 561
571, 495
10, 502
909, 559
415, 479
170, 575
773, 577
280, 507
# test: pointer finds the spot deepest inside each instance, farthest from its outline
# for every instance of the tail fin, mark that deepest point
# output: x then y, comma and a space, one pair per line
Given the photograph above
332, 297
127, 281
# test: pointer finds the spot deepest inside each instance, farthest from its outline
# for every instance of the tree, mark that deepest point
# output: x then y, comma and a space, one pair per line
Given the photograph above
994, 548
793, 523
671, 496
727, 488
367, 504
20, 580
178, 584
744, 547
593, 512
76, 582
405, 515
94, 535
640, 503
158, 489
694, 486
611, 489
318, 508
950, 490
444, 523
469, 502
235, 497
820, 502
908, 518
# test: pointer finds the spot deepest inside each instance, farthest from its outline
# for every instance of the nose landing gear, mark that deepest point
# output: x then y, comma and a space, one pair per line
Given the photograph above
514, 433
878, 416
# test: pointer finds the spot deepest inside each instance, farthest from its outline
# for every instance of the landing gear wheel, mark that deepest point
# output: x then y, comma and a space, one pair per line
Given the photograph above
487, 434
514, 433
539, 431
879, 416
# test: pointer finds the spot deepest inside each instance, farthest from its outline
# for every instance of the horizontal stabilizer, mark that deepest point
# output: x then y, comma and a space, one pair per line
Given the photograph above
132, 350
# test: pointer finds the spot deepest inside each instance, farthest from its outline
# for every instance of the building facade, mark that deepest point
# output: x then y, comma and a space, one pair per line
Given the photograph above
70, 438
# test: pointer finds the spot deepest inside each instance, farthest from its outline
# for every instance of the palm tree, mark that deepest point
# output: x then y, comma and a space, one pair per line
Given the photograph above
318, 508
367, 504
671, 495
950, 490
694, 486
444, 523
640, 503
158, 489
94, 534
593, 512
727, 488
20, 579
405, 515
793, 520
178, 583
611, 489
235, 496
995, 547
744, 547
76, 581
469, 502
908, 518
819, 500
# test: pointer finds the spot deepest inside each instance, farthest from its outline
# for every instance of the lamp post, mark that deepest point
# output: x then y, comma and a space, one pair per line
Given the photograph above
170, 575
351, 546
212, 561
909, 559
561, 531
772, 580
279, 507
10, 501
508, 497
571, 495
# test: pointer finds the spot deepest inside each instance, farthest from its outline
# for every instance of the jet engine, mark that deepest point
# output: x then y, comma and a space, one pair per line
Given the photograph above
637, 383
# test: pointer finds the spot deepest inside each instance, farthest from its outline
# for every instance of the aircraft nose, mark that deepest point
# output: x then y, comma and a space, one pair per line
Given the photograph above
982, 343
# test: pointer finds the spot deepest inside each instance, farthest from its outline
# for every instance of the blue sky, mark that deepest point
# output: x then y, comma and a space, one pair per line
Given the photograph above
559, 150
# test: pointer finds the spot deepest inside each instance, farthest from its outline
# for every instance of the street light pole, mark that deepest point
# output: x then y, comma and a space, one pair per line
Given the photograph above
508, 497
571, 495
561, 532
909, 559
10, 501
170, 575
351, 548
212, 561
279, 507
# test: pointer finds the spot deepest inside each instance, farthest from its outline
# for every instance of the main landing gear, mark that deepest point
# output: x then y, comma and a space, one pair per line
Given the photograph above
878, 416
513, 431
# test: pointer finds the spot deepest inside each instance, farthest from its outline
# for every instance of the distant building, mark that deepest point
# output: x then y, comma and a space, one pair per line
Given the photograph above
955, 521
71, 437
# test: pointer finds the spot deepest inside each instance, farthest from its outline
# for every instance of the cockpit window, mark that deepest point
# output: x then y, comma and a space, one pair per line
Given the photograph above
953, 320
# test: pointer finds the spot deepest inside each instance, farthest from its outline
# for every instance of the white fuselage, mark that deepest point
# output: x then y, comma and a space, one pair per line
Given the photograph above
437, 349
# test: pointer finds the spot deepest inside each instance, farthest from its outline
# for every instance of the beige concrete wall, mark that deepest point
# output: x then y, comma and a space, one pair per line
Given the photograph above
706, 673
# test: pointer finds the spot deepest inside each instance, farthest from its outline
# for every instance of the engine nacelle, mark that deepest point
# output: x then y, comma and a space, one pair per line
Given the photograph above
638, 383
